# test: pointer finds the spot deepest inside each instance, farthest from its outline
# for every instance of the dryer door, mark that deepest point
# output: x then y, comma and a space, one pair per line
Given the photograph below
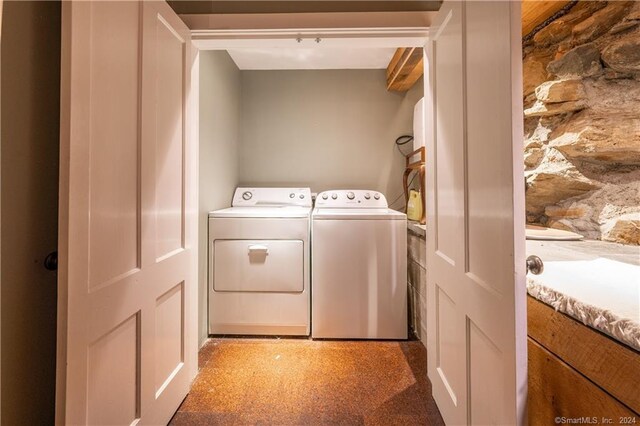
258, 266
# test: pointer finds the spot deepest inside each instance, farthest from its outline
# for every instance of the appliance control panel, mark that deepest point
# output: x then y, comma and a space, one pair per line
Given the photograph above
351, 198
255, 197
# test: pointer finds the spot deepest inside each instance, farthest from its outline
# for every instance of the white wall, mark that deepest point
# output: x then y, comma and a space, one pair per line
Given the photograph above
30, 150
218, 164
326, 129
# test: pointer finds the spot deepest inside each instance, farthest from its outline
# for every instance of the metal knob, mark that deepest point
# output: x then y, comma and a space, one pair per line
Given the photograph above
51, 261
534, 265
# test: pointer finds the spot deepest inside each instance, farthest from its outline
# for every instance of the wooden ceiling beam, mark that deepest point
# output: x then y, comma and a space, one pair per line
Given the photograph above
405, 68
535, 12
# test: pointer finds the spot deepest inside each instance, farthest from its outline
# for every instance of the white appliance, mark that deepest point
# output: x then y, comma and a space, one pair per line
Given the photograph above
259, 263
418, 124
359, 274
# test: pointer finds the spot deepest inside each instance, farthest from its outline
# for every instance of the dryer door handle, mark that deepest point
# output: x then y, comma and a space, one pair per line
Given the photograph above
258, 248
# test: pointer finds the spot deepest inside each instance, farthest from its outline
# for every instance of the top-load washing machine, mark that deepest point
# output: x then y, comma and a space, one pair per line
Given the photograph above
259, 263
359, 267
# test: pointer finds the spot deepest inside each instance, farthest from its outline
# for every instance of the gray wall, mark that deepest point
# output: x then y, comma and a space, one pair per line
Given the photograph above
324, 129
219, 134
30, 144
327, 129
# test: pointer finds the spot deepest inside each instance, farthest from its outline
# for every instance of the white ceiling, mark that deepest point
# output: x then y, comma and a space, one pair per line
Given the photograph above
311, 58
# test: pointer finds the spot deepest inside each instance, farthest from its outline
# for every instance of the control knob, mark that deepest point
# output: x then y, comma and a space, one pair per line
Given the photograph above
376, 196
247, 195
351, 195
325, 196
367, 196
334, 196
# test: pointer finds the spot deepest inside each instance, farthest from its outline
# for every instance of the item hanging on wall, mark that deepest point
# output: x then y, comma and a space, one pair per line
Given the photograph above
419, 168
402, 144
414, 206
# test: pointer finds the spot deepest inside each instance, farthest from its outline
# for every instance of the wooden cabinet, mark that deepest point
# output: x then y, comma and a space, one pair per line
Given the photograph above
577, 372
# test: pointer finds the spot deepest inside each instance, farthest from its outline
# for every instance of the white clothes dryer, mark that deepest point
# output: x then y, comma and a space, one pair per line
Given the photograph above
259, 260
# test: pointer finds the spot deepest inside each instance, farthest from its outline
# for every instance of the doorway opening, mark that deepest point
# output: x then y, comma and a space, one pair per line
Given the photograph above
313, 113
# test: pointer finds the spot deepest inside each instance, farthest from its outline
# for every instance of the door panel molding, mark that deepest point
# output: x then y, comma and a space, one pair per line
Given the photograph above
114, 363
475, 254
127, 348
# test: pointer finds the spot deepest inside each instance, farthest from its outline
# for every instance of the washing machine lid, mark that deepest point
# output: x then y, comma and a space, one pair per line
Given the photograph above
262, 212
358, 214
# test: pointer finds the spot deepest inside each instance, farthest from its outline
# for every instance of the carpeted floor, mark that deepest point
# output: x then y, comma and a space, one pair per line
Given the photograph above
305, 382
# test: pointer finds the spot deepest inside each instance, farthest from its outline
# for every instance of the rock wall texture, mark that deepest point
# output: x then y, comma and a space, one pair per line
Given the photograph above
582, 121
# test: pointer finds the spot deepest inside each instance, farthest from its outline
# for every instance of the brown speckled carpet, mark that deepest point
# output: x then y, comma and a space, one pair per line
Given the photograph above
305, 382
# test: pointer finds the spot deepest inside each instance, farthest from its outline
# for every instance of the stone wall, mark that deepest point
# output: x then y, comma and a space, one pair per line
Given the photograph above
417, 281
582, 121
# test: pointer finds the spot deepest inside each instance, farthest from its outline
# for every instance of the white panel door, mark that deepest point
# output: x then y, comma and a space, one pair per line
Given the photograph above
475, 241
127, 349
